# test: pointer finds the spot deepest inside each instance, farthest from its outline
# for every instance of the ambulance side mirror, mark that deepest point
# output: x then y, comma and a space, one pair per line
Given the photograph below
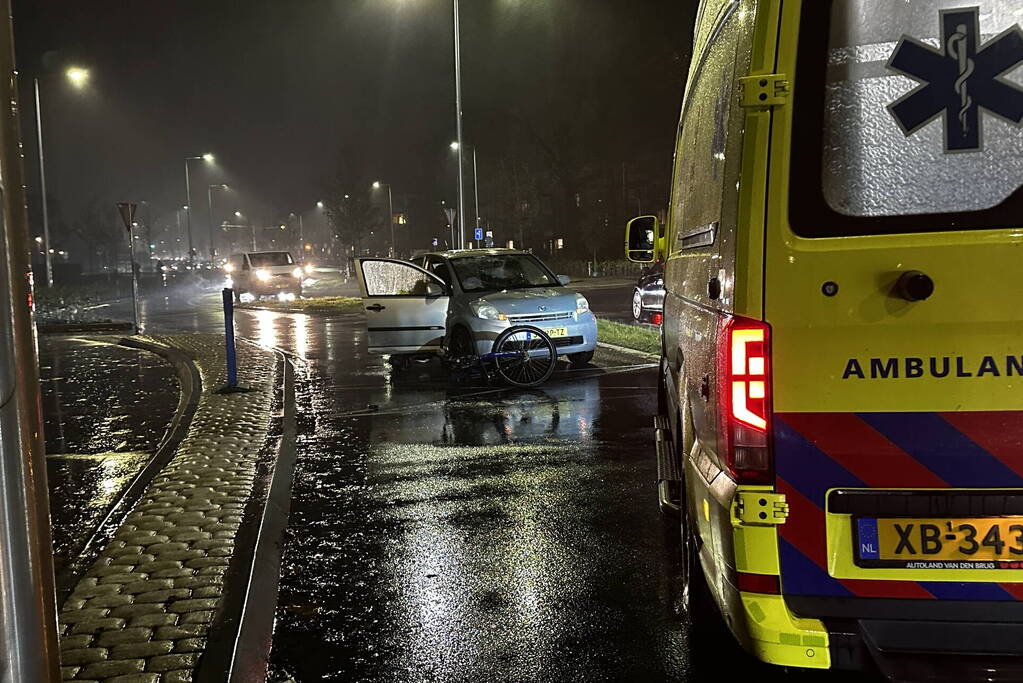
641, 239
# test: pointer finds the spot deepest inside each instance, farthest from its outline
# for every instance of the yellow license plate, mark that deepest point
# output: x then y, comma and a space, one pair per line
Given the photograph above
555, 332
939, 543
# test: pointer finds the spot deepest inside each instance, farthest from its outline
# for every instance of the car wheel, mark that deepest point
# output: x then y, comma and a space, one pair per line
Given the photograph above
637, 304
460, 345
399, 363
580, 359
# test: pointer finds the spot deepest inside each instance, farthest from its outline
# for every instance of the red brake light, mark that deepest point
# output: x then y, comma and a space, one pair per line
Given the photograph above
759, 583
657, 318
744, 367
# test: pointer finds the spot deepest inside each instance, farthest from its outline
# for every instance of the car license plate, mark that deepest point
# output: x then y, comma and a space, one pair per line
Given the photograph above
962, 543
556, 332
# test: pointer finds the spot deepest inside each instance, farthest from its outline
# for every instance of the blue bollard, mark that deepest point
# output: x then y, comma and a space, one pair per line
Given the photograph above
232, 360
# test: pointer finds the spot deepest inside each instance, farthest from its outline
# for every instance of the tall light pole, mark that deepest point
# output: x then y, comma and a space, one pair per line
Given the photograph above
78, 77
177, 214
390, 212
458, 115
209, 196
475, 177
208, 158
28, 623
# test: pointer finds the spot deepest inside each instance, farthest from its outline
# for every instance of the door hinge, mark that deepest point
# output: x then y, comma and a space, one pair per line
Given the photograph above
759, 508
766, 90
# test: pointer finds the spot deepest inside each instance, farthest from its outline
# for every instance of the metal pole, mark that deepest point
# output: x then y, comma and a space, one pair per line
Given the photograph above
28, 621
458, 110
232, 360
42, 186
301, 232
188, 213
476, 185
390, 213
134, 278
177, 214
149, 232
209, 196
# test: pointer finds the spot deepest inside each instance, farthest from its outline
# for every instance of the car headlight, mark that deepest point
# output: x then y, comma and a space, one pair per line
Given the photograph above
309, 269
263, 275
228, 267
486, 310
581, 304
297, 273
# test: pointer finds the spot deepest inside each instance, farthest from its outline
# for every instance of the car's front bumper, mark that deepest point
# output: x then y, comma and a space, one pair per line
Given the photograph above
581, 333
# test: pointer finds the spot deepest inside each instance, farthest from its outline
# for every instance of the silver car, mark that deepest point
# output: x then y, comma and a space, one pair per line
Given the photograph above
452, 302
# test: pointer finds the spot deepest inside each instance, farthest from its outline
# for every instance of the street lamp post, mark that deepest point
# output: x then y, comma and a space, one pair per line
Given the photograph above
475, 177
390, 213
78, 78
458, 116
209, 196
188, 201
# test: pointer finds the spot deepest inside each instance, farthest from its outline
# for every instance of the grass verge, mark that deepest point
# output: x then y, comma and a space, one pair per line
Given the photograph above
629, 336
322, 305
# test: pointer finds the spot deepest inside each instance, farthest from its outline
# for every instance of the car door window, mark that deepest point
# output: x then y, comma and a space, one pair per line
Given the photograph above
438, 267
391, 278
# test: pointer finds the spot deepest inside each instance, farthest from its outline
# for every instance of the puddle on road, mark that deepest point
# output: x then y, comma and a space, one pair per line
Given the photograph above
82, 489
105, 410
100, 397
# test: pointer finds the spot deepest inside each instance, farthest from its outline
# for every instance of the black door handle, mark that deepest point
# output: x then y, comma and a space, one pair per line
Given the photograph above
376, 308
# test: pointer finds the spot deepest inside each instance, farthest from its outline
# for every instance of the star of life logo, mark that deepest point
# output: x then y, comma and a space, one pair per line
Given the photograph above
959, 79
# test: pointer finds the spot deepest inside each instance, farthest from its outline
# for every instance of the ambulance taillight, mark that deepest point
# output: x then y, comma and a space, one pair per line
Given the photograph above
744, 372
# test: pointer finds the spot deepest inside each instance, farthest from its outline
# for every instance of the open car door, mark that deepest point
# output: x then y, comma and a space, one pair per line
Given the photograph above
406, 307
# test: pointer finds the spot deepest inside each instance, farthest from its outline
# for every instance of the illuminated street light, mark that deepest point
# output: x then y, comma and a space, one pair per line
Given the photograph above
390, 212
78, 76
455, 146
208, 158
319, 205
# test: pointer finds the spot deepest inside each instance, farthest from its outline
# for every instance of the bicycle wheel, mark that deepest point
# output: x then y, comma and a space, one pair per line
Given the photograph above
525, 356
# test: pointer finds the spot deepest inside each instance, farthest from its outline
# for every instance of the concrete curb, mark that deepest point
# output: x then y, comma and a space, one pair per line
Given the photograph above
144, 609
251, 654
190, 385
256, 307
631, 352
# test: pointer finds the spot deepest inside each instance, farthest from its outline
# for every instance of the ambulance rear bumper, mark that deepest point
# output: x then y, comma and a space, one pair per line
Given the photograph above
922, 640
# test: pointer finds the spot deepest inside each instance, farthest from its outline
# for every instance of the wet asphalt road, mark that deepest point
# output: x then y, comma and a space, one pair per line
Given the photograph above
105, 410
449, 532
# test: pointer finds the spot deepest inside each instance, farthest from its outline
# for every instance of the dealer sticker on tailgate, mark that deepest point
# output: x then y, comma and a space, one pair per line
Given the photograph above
963, 543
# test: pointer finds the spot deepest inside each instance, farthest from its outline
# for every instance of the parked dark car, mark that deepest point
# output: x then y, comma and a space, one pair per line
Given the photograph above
648, 297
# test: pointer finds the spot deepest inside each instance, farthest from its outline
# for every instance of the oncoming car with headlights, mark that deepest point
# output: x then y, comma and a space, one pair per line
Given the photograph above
454, 302
265, 273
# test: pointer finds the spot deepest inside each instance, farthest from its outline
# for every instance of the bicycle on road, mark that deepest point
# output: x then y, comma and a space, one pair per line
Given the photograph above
522, 356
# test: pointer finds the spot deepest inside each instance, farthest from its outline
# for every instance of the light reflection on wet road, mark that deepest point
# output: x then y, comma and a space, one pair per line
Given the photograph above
461, 533
105, 410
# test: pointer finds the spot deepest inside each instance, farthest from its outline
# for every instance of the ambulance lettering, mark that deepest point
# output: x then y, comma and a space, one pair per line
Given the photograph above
937, 367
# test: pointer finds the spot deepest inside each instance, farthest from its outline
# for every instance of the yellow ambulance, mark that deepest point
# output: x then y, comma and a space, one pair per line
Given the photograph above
841, 381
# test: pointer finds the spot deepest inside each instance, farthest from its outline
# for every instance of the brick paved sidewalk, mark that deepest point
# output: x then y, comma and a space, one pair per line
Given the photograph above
143, 609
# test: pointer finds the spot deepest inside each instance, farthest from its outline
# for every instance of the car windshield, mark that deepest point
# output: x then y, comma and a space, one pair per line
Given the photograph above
271, 258
505, 271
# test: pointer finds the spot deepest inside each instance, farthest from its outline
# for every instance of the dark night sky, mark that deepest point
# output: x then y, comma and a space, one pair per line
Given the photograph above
287, 92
